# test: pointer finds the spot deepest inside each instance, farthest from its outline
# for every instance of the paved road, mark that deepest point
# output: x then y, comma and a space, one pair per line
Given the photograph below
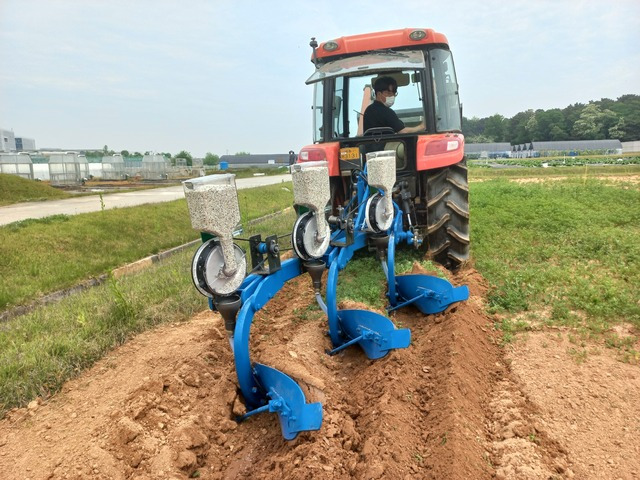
91, 203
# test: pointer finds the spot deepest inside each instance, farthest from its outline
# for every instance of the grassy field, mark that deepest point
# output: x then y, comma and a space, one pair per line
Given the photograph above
478, 172
15, 189
39, 351
45, 255
564, 160
566, 251
562, 252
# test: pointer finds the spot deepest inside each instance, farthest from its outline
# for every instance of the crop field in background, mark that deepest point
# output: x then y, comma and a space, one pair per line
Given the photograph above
562, 160
555, 253
479, 172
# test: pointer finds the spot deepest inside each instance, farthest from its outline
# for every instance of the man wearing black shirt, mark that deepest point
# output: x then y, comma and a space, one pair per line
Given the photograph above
379, 113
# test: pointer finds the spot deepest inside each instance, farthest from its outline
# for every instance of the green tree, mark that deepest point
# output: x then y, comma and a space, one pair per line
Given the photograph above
124, 153
547, 125
531, 127
478, 139
571, 114
618, 130
557, 133
517, 129
473, 126
495, 128
186, 155
211, 159
628, 107
594, 123
242, 153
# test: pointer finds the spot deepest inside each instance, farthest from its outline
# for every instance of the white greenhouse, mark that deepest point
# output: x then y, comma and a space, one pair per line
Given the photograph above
154, 167
16, 164
68, 168
113, 167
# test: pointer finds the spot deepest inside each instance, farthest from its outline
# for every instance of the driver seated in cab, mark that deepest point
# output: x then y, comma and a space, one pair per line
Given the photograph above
379, 113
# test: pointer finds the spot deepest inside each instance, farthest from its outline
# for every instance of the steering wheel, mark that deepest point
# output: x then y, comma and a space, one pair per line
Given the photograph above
379, 131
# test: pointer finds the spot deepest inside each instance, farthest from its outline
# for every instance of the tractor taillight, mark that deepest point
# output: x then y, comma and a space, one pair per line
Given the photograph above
312, 155
322, 151
439, 150
443, 145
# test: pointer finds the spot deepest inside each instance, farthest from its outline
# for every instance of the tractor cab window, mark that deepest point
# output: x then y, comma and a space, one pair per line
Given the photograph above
318, 96
337, 116
445, 87
408, 103
350, 83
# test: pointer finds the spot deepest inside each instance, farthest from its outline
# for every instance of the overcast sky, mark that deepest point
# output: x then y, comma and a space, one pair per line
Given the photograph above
227, 76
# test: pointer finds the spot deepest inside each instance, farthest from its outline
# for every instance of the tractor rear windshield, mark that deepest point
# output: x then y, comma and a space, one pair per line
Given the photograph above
343, 91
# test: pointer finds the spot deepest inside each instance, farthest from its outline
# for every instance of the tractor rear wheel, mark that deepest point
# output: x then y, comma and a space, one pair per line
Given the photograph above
448, 215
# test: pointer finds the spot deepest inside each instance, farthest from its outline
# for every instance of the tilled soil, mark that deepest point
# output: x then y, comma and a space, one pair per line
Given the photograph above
451, 406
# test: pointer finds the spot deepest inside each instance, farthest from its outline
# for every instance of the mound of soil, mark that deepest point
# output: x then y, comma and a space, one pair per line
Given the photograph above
162, 406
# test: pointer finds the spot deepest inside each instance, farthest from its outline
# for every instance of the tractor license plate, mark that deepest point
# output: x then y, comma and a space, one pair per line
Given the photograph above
351, 153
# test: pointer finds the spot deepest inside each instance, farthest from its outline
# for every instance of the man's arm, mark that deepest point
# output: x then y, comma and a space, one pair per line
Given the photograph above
399, 127
418, 128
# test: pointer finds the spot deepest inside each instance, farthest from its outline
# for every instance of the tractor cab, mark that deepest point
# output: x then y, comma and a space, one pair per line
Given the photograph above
420, 62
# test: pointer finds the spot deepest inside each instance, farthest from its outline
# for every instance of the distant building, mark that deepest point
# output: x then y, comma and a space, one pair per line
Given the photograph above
7, 141
569, 147
25, 144
487, 150
264, 160
631, 147
16, 164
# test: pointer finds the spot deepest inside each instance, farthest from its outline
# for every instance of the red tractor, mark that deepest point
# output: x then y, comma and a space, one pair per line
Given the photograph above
431, 187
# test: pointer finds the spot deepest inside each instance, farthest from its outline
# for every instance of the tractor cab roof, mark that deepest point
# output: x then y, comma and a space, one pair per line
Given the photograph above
369, 62
387, 40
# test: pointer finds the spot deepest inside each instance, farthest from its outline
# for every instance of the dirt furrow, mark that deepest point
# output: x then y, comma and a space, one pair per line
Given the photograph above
162, 406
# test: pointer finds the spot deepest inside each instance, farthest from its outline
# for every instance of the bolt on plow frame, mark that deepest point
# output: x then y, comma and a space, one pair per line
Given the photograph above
350, 193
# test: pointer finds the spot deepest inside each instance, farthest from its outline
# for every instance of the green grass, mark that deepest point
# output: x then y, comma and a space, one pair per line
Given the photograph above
363, 280
41, 350
561, 253
565, 252
563, 161
568, 247
15, 189
45, 255
477, 172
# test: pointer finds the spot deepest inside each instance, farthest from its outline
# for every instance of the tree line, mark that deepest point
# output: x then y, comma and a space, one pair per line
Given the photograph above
596, 120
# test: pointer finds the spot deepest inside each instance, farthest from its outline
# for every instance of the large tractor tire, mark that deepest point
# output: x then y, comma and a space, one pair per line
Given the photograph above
448, 215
